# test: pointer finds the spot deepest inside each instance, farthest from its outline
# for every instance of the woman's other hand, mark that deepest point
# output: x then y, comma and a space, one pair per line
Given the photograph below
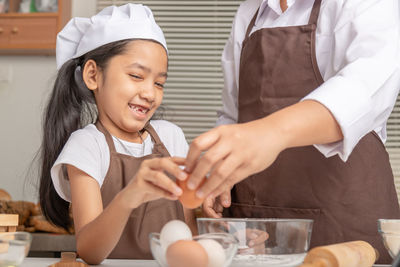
232, 153
213, 206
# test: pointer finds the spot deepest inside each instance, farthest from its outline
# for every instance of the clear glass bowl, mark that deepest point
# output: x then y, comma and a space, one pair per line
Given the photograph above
264, 242
389, 230
14, 247
228, 242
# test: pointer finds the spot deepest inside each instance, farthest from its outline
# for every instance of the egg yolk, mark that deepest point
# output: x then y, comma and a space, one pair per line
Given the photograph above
188, 198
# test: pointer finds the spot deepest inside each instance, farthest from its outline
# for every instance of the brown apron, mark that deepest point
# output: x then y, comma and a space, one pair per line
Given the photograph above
278, 67
148, 217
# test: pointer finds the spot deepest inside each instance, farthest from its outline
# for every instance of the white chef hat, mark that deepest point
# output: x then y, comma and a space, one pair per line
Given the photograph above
130, 21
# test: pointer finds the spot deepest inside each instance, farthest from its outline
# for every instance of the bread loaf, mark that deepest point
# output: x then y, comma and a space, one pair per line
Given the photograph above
4, 195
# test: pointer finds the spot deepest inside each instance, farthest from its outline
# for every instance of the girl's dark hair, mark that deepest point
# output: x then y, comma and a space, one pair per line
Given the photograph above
70, 107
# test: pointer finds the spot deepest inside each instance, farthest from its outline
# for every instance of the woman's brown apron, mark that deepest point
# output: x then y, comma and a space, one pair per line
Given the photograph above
278, 67
148, 217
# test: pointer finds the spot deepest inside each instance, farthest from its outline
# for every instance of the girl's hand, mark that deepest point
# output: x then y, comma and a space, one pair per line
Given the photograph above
213, 206
232, 153
151, 182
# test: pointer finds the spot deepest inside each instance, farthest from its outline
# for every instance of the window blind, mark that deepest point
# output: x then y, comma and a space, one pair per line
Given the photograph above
393, 143
196, 32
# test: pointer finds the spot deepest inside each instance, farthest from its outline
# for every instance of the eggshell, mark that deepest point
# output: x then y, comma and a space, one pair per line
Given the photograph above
174, 230
188, 198
215, 252
186, 253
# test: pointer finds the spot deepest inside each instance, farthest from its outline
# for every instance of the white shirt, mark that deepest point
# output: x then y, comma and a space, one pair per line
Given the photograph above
358, 54
87, 150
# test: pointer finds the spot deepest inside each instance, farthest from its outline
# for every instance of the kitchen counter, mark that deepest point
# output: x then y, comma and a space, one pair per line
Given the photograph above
44, 262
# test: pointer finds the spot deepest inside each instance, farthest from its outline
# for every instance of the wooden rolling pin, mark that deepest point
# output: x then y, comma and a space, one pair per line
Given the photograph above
68, 259
349, 254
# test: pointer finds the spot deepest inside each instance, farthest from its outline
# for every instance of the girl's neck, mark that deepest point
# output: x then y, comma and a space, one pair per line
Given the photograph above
133, 137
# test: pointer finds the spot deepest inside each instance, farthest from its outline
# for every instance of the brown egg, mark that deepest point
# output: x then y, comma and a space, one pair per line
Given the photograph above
188, 198
185, 253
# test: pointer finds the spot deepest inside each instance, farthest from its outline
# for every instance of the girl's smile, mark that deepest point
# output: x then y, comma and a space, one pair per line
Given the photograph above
139, 111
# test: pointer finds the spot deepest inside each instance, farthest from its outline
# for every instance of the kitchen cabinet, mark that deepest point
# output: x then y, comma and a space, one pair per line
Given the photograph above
32, 33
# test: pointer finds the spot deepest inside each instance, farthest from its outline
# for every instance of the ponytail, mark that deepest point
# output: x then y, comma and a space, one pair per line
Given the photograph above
67, 108
70, 107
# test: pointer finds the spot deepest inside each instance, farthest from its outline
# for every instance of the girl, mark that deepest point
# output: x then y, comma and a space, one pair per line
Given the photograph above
309, 86
112, 172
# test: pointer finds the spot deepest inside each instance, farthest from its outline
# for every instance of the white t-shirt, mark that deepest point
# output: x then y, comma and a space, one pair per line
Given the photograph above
87, 150
358, 55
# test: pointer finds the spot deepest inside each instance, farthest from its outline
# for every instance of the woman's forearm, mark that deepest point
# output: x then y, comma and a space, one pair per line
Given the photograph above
97, 239
304, 123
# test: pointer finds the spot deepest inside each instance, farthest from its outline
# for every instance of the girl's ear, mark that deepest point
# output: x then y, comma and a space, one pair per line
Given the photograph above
90, 74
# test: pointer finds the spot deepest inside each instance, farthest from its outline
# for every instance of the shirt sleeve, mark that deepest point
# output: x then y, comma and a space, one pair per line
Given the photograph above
364, 70
230, 61
82, 151
229, 112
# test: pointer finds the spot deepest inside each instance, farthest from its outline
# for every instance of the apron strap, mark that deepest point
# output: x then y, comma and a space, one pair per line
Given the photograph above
315, 13
251, 25
108, 136
154, 136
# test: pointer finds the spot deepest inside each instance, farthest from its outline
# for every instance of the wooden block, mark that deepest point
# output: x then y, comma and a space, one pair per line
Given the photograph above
8, 219
3, 229
12, 229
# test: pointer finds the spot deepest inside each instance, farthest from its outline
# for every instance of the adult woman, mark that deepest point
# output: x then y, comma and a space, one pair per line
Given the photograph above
298, 74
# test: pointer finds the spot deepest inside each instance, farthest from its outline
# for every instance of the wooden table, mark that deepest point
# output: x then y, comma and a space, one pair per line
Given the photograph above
44, 262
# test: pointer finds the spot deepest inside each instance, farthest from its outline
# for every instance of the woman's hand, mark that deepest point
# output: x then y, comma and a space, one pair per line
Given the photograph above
151, 182
214, 206
232, 153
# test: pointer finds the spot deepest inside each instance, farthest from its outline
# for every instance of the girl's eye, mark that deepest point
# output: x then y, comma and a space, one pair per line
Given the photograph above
160, 85
135, 76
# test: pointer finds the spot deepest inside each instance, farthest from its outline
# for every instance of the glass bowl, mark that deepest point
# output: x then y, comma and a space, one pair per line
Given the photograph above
14, 247
228, 242
264, 242
389, 230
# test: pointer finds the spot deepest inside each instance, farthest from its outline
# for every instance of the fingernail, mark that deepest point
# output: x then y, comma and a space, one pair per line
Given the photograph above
191, 185
178, 191
251, 243
226, 202
182, 176
200, 194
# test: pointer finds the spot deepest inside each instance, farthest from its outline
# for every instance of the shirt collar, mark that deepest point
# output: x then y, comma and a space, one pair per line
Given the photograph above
275, 5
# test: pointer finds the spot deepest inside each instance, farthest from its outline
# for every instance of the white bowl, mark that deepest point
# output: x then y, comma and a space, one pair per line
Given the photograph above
390, 233
14, 247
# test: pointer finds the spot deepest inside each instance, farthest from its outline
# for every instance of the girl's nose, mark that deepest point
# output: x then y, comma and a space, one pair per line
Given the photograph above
148, 92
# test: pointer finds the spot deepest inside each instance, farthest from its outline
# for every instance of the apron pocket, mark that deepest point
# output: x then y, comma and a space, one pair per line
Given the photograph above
238, 210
